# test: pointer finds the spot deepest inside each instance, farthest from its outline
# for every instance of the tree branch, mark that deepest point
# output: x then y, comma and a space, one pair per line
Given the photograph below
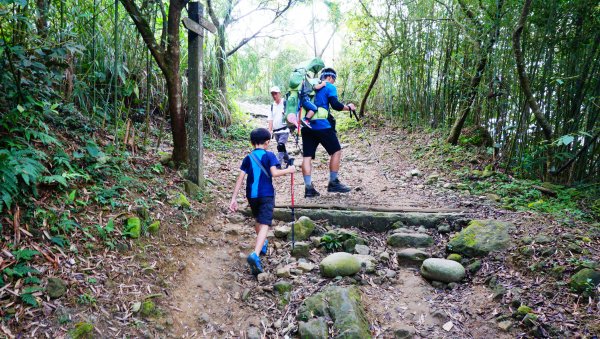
158, 53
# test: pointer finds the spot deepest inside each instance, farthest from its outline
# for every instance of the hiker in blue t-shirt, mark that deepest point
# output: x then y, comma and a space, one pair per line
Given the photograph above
260, 166
322, 132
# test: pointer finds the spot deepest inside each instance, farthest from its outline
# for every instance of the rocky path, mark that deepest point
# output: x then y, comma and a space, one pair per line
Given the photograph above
217, 296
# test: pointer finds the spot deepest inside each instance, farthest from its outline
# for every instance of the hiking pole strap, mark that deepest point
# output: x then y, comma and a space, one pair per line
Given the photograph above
262, 168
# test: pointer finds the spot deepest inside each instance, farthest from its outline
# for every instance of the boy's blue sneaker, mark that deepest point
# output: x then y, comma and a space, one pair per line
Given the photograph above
254, 262
265, 247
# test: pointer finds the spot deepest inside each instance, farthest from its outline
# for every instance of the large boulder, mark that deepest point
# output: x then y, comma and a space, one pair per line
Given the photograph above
412, 256
343, 305
407, 240
302, 229
480, 238
442, 270
340, 263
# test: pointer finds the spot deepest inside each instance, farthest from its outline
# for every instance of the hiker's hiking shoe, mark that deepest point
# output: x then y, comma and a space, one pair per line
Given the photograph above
310, 192
337, 186
255, 265
305, 122
265, 248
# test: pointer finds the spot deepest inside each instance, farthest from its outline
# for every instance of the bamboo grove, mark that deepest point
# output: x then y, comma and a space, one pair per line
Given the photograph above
453, 65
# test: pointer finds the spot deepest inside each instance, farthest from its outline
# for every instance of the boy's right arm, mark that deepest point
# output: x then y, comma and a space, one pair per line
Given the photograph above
275, 172
233, 205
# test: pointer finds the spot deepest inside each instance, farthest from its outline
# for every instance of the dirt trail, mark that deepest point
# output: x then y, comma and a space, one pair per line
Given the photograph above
217, 296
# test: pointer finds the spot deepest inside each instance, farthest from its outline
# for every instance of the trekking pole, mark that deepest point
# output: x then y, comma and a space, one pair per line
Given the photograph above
291, 162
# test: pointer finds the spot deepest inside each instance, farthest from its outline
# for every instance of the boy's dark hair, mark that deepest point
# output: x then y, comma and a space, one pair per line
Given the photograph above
259, 136
328, 72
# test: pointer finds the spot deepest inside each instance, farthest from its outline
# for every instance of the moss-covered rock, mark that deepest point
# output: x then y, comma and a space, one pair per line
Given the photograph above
522, 311
442, 270
368, 263
133, 227
585, 281
180, 201
411, 256
301, 249
339, 264
56, 288
409, 240
313, 329
303, 228
343, 305
454, 257
148, 308
82, 330
480, 238
474, 266
154, 227
282, 287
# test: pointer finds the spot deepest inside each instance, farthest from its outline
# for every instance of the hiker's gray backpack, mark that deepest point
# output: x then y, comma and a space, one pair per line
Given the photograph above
300, 87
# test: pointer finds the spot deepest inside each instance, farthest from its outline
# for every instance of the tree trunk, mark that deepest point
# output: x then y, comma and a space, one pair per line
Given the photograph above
475, 80
524, 79
169, 63
481, 64
525, 86
363, 102
221, 62
41, 22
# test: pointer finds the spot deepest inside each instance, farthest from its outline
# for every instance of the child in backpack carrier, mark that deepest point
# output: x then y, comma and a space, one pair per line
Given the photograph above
309, 106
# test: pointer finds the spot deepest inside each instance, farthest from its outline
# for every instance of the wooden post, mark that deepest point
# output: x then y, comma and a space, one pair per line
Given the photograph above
195, 128
196, 26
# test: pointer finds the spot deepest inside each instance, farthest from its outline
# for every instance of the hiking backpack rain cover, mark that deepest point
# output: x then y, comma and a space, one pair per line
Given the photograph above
302, 81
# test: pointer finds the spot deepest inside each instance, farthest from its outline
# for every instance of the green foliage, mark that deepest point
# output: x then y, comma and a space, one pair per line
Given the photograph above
24, 254
20, 171
86, 299
332, 242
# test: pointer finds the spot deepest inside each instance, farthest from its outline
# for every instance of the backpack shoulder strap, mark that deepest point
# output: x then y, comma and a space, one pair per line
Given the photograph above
271, 108
262, 168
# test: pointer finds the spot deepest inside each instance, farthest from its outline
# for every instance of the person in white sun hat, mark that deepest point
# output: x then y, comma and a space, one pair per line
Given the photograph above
277, 127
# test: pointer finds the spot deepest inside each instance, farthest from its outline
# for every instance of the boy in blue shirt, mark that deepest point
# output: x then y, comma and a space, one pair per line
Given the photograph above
260, 166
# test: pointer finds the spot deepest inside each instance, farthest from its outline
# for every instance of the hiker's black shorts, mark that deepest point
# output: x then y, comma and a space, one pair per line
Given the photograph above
312, 138
262, 209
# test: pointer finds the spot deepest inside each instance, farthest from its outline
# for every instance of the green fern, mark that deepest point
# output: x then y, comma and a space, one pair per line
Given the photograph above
29, 299
20, 270
19, 173
32, 280
25, 254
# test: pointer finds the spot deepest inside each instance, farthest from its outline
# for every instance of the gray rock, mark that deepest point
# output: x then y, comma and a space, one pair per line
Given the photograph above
505, 325
306, 266
283, 272
367, 262
412, 256
282, 232
415, 173
407, 240
384, 256
480, 238
404, 332
339, 264
313, 329
390, 273
264, 277
56, 288
362, 249
542, 239
301, 249
253, 333
444, 228
442, 270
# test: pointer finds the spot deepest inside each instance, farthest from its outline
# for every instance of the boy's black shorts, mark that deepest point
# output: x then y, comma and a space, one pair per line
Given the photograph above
312, 138
262, 209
